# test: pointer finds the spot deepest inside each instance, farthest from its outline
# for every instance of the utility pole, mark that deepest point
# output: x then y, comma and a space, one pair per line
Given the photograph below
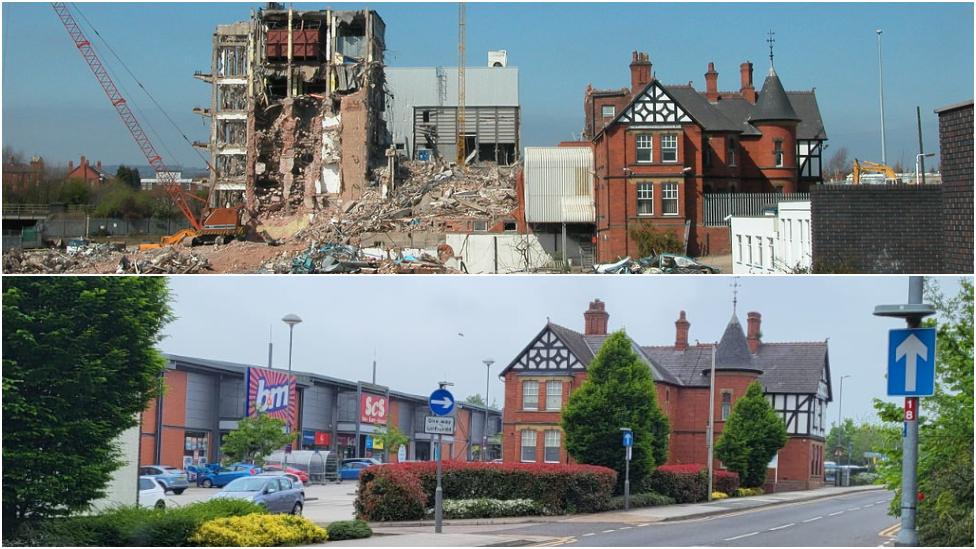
711, 422
461, 152
881, 88
920, 159
484, 433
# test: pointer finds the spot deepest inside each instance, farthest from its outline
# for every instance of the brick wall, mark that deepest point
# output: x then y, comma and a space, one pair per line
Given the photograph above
877, 229
174, 417
956, 144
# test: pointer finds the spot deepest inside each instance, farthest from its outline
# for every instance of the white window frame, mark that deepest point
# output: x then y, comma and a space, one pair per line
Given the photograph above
528, 435
749, 247
549, 394
612, 109
779, 156
738, 238
644, 142
731, 152
667, 189
526, 394
547, 441
645, 194
759, 245
667, 148
772, 253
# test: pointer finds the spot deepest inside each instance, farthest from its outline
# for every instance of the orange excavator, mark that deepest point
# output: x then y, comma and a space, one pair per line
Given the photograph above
214, 224
866, 167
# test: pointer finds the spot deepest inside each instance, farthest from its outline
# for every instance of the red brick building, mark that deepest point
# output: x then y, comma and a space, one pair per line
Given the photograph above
658, 149
84, 171
19, 176
795, 376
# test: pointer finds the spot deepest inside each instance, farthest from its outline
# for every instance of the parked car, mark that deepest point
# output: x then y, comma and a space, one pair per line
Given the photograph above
371, 461
302, 475
351, 469
224, 475
277, 493
294, 478
171, 478
152, 495
674, 263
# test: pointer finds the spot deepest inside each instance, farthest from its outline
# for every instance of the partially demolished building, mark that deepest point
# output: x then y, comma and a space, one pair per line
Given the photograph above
295, 107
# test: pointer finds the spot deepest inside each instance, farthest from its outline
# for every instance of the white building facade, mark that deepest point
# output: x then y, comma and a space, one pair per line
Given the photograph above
777, 243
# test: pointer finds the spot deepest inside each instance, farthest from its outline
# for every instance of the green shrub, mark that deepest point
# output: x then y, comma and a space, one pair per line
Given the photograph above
719, 495
490, 508
746, 492
349, 529
645, 499
174, 527
558, 488
686, 483
861, 479
258, 531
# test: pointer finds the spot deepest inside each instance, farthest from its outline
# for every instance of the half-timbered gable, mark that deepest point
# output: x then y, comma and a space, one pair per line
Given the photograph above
653, 106
554, 349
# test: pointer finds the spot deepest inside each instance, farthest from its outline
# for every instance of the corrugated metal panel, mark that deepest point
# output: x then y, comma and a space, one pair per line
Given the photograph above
559, 185
317, 407
490, 124
423, 86
199, 400
232, 397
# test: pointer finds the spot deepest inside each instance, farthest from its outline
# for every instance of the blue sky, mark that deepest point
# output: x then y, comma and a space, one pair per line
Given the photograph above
53, 107
412, 322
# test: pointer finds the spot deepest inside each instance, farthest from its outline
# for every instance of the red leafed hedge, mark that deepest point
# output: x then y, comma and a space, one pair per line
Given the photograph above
559, 488
688, 482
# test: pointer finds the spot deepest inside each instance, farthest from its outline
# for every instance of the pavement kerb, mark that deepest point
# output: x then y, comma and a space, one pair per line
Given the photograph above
557, 518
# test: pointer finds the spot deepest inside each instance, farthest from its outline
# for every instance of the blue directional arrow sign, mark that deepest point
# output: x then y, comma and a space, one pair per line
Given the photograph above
628, 439
441, 402
911, 362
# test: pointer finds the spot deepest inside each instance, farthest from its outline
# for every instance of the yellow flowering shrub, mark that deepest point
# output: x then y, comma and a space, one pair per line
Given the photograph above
719, 495
258, 531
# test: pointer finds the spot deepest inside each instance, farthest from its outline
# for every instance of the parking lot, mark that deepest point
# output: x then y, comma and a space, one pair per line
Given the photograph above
323, 503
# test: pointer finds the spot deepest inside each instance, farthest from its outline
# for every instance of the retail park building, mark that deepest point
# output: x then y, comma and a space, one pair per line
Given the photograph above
205, 399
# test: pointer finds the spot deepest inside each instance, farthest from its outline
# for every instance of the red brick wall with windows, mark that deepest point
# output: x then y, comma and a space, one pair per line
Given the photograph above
174, 417
515, 418
796, 466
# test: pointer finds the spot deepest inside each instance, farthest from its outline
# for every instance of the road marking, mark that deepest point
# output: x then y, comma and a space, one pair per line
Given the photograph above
643, 525
740, 537
626, 527
835, 514
853, 508
589, 534
608, 531
813, 519
783, 526
869, 505
890, 531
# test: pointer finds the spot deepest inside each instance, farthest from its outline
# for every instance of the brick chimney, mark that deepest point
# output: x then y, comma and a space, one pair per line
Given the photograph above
595, 319
681, 332
754, 338
711, 84
745, 75
71, 166
84, 164
640, 71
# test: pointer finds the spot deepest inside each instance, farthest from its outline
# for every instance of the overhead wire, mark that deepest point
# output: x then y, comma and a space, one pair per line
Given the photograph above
148, 94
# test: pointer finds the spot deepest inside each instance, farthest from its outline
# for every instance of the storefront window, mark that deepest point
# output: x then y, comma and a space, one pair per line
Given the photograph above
196, 445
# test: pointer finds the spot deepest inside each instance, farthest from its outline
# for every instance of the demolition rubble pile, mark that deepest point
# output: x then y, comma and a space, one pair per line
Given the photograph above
103, 258
426, 197
344, 258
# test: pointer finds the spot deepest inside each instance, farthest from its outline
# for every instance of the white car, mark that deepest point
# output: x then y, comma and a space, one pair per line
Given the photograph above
152, 495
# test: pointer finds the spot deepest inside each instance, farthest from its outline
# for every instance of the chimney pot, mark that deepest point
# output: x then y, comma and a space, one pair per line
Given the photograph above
754, 338
595, 319
711, 84
71, 165
681, 332
640, 71
746, 89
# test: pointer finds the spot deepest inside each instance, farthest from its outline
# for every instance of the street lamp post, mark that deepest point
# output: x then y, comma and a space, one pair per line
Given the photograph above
710, 437
881, 88
291, 320
840, 413
919, 170
484, 433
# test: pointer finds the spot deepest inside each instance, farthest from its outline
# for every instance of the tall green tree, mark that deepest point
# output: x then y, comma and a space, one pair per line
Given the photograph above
945, 462
855, 439
752, 436
392, 439
129, 176
255, 439
79, 363
618, 392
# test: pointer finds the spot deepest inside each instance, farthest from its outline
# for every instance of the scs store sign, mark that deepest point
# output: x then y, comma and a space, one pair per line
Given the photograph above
373, 409
273, 393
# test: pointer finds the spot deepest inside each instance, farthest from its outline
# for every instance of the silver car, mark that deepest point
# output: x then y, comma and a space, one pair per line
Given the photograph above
278, 494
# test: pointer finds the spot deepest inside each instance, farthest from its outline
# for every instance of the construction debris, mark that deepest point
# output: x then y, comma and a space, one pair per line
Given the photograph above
164, 261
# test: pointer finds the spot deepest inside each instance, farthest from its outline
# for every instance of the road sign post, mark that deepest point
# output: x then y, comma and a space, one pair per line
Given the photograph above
628, 445
911, 373
441, 403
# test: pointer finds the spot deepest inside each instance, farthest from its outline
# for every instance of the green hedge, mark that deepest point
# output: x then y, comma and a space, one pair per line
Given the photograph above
349, 529
491, 508
746, 492
133, 526
645, 499
388, 492
688, 483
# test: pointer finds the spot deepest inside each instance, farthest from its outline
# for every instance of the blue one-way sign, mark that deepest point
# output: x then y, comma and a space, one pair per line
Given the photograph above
911, 362
628, 439
441, 402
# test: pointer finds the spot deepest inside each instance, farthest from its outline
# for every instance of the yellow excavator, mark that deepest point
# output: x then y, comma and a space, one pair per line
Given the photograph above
866, 167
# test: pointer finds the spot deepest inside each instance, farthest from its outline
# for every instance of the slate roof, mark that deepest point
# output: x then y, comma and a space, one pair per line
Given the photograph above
773, 103
783, 367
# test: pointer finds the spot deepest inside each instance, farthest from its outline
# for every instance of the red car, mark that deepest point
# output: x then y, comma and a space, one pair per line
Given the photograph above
302, 475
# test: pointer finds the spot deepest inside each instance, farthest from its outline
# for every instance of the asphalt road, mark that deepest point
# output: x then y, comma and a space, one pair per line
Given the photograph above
850, 520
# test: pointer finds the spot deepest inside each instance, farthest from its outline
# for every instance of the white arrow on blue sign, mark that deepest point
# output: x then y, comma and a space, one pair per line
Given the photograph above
628, 439
441, 402
911, 362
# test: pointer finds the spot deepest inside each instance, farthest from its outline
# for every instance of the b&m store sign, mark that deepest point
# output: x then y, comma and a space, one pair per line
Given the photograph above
273, 393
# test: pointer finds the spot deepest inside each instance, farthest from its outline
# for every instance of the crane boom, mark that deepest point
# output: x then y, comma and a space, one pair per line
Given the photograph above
125, 113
